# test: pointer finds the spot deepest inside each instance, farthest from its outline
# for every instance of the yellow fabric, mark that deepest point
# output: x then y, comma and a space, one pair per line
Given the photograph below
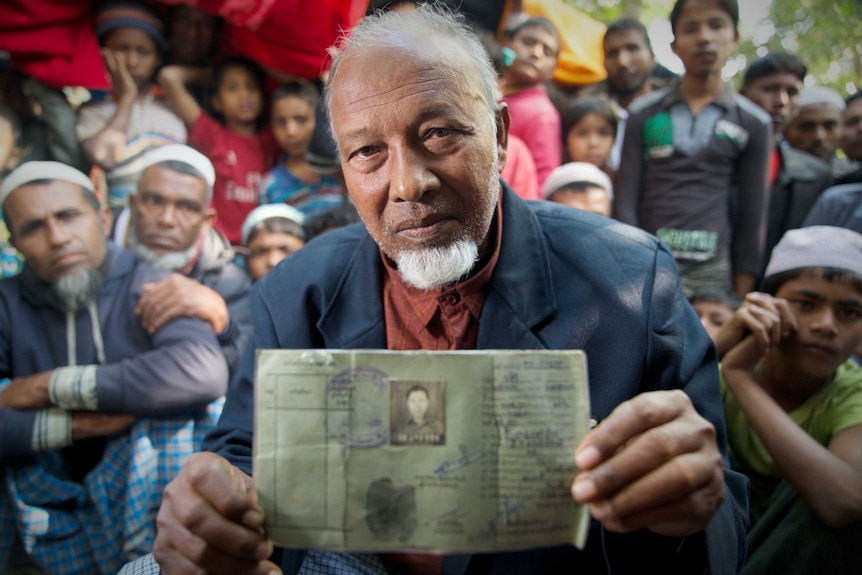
581, 55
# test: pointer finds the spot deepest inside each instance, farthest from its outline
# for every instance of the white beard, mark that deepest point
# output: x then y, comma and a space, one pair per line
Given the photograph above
170, 262
77, 290
428, 268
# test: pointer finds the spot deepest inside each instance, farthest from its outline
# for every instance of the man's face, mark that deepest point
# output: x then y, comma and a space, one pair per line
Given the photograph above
139, 50
628, 61
416, 137
851, 135
417, 405
705, 37
829, 316
816, 129
536, 52
168, 210
56, 229
777, 94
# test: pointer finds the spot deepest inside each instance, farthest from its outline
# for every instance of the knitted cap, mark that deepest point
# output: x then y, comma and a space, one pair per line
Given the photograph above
266, 212
34, 171
129, 14
577, 172
817, 247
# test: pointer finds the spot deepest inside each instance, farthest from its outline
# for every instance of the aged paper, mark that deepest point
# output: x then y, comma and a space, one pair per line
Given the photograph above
450, 452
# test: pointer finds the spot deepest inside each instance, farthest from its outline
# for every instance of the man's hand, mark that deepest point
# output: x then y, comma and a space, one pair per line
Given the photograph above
86, 424
29, 392
125, 90
210, 521
179, 296
653, 463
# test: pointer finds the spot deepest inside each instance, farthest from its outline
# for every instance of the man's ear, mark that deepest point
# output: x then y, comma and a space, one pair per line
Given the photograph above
106, 217
209, 221
501, 117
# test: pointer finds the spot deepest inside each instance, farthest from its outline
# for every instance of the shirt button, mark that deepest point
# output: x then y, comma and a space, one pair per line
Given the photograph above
451, 298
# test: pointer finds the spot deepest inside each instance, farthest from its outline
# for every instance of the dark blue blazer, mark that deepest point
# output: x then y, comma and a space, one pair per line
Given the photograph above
565, 279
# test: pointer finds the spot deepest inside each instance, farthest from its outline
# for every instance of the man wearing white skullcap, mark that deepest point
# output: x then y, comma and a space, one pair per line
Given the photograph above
793, 403
815, 127
89, 384
169, 224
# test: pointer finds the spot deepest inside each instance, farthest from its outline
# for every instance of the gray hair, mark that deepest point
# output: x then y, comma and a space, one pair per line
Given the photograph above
388, 30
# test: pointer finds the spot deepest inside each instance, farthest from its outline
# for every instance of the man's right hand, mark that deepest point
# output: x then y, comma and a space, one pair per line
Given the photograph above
210, 522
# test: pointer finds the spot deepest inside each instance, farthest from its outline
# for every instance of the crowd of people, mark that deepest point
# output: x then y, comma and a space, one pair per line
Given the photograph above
702, 244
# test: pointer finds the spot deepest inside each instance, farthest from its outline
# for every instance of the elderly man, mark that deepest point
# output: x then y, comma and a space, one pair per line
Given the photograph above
169, 225
450, 259
100, 412
816, 125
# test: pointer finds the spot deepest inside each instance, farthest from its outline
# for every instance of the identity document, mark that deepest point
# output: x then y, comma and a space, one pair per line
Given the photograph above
447, 452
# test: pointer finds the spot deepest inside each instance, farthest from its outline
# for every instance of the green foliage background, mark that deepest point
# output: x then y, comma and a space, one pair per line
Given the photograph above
826, 34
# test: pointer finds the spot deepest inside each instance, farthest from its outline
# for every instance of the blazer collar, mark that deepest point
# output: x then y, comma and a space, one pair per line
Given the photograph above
520, 295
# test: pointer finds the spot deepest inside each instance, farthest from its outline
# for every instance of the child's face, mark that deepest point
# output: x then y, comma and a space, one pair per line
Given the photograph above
590, 140
536, 51
266, 249
705, 37
594, 200
713, 315
293, 125
829, 316
238, 98
139, 51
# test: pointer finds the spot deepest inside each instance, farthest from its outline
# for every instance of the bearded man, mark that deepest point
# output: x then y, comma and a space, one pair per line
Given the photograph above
169, 224
99, 410
451, 258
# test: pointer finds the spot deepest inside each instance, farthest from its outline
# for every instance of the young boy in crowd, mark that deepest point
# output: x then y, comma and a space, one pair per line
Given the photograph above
714, 308
696, 158
580, 185
534, 119
270, 233
294, 180
793, 404
117, 133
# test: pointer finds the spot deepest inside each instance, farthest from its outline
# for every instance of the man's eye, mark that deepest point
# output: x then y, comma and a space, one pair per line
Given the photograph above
439, 132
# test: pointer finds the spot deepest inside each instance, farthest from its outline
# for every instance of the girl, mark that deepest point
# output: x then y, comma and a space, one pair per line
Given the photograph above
589, 129
233, 138
296, 120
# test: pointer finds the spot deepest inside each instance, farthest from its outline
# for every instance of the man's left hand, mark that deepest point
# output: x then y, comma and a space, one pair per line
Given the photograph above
653, 463
29, 392
179, 296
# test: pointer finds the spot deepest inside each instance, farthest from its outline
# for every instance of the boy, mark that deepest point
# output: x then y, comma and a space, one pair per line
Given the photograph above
696, 158
793, 404
534, 118
582, 186
714, 309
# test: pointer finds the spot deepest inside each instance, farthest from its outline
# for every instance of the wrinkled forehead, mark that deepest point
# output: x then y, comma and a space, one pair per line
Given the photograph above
377, 71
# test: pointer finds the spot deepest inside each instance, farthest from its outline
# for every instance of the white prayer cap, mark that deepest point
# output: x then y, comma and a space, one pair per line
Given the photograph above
183, 154
266, 212
34, 171
577, 172
821, 95
817, 247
